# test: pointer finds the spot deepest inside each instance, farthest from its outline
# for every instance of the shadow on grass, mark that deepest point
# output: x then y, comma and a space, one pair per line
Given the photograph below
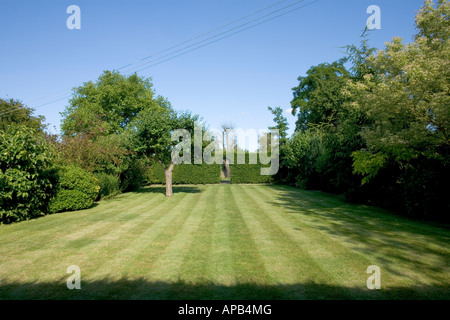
162, 189
135, 289
390, 238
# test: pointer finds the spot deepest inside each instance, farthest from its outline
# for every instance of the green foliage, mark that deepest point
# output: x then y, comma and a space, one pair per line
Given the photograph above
134, 174
103, 154
27, 181
109, 185
107, 105
265, 142
150, 134
318, 98
368, 164
248, 173
13, 112
302, 154
281, 123
77, 189
379, 132
186, 174
407, 99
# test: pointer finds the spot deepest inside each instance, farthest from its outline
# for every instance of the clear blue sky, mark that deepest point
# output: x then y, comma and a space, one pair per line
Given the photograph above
234, 79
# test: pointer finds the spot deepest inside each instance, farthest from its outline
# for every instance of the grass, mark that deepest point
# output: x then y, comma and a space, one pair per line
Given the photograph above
224, 242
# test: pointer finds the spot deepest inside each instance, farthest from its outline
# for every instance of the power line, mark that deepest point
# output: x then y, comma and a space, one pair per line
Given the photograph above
204, 34
157, 53
217, 35
13, 109
197, 43
229, 35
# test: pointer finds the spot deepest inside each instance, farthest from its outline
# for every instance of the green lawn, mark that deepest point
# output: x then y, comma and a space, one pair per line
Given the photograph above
224, 242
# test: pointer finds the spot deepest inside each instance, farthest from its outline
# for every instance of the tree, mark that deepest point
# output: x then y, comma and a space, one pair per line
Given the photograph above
227, 144
151, 136
281, 123
265, 141
108, 105
407, 101
318, 97
13, 112
325, 116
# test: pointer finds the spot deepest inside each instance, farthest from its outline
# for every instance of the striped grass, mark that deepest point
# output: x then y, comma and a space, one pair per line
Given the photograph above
225, 242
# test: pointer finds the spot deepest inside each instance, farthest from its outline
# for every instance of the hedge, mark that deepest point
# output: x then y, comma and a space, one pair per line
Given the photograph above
248, 173
186, 174
77, 189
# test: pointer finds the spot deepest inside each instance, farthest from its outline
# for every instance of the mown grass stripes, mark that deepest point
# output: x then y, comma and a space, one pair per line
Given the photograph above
224, 242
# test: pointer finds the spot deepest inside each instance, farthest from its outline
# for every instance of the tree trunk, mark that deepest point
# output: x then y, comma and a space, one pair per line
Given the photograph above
168, 174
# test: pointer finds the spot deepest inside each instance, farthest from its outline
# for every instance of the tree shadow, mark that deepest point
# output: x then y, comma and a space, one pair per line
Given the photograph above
135, 289
372, 230
162, 189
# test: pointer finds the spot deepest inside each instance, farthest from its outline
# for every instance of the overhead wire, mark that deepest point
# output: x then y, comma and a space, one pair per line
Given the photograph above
195, 45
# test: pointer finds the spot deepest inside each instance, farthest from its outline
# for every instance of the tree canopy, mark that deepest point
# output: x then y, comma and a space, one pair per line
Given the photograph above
108, 105
13, 112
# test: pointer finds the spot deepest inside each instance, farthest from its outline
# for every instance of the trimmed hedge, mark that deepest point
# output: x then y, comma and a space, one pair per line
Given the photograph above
77, 189
186, 174
248, 173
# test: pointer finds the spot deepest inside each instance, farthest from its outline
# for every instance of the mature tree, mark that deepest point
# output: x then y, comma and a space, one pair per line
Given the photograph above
407, 101
409, 98
108, 105
318, 97
13, 112
151, 136
324, 115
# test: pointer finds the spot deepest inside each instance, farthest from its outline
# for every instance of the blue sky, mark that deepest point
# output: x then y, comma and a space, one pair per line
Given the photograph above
233, 79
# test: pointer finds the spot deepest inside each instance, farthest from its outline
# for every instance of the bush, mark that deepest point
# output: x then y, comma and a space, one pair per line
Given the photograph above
77, 189
134, 174
27, 180
109, 185
186, 174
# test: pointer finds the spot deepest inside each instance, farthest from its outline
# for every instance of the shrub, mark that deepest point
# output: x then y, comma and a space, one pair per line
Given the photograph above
133, 175
77, 189
27, 181
109, 185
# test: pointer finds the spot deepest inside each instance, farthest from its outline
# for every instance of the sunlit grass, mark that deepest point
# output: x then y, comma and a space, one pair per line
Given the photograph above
224, 242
